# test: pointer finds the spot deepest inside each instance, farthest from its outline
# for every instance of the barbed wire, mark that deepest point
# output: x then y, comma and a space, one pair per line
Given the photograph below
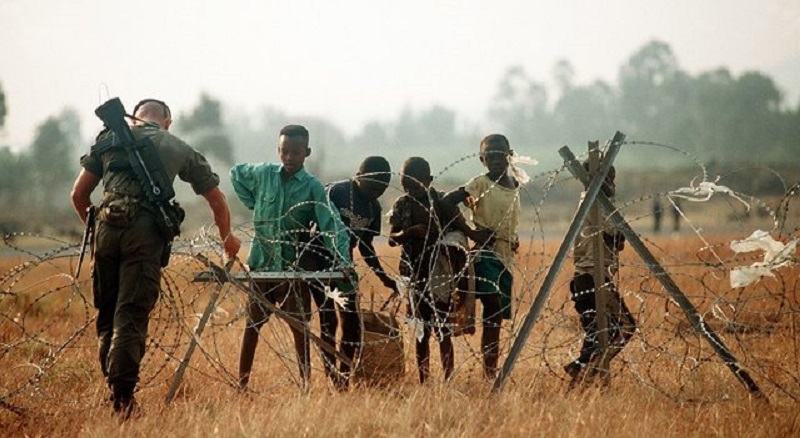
47, 338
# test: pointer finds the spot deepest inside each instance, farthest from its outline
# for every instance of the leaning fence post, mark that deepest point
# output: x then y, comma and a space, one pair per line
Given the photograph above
550, 279
595, 219
212, 304
661, 274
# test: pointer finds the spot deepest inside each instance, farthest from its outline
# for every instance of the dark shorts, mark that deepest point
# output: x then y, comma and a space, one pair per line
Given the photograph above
292, 297
492, 277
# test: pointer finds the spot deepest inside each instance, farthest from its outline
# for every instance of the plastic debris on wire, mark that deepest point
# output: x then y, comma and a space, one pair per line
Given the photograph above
776, 255
515, 161
404, 289
704, 191
336, 296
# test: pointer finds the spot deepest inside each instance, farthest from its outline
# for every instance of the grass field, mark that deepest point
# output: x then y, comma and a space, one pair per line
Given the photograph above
667, 382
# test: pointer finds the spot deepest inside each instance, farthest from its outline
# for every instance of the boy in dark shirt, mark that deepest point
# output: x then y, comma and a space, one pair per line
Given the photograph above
357, 202
418, 222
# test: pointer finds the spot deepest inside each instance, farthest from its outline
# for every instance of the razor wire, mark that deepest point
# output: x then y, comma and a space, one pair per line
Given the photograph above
47, 337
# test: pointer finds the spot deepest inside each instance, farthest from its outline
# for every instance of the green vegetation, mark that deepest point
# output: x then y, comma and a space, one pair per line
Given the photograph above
714, 117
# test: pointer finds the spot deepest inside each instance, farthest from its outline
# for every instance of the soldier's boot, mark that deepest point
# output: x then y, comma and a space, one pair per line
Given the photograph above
124, 402
589, 348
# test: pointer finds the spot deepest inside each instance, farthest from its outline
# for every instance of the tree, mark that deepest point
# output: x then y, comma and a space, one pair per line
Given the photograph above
15, 179
642, 80
206, 131
3, 109
52, 156
564, 76
585, 113
373, 136
520, 108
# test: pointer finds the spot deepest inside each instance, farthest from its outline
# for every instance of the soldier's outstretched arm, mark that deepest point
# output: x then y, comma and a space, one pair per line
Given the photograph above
222, 218
82, 192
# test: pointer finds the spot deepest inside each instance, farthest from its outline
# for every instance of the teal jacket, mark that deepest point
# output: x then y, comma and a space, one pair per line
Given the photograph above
282, 210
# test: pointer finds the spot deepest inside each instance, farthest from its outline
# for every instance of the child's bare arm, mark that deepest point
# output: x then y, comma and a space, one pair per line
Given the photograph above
455, 197
450, 203
367, 250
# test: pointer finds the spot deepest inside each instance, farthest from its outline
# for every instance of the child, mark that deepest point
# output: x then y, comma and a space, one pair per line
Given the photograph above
285, 200
582, 290
418, 220
356, 199
493, 198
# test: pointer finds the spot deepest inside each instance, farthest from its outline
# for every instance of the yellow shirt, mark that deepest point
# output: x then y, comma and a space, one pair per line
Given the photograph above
495, 208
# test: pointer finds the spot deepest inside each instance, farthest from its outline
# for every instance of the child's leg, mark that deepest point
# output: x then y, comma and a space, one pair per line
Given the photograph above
444, 336
622, 322
257, 316
351, 332
299, 304
488, 271
582, 292
328, 322
464, 298
490, 337
447, 355
424, 354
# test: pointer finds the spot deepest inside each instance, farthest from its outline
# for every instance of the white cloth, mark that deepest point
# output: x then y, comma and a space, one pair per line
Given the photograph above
776, 255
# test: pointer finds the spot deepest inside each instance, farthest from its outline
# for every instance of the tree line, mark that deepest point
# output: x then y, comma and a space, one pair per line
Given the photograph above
715, 115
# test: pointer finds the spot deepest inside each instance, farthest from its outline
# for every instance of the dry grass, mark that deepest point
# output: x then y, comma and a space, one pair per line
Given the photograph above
651, 393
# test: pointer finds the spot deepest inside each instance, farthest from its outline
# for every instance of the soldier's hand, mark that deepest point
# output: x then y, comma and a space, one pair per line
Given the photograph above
232, 244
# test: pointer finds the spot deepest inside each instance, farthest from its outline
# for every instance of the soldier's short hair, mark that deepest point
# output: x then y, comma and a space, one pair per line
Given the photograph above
167, 113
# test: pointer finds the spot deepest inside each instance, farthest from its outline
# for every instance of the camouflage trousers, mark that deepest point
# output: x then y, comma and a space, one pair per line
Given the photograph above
126, 281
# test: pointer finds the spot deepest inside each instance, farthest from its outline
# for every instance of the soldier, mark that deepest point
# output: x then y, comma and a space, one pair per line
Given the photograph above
129, 245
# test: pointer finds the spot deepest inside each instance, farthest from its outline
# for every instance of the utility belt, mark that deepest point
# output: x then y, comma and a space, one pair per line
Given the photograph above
120, 211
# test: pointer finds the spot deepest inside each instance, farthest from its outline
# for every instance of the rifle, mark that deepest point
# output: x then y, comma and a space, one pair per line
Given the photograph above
88, 236
145, 162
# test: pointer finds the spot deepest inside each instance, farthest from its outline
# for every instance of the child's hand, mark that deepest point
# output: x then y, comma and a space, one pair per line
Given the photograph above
469, 201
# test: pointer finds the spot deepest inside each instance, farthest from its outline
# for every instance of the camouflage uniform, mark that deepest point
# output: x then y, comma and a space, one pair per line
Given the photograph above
128, 251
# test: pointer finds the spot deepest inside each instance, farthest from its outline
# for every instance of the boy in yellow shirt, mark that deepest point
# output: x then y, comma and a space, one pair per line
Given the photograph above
493, 198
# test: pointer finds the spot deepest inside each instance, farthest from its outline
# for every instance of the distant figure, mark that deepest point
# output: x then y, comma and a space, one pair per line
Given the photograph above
658, 213
582, 287
676, 215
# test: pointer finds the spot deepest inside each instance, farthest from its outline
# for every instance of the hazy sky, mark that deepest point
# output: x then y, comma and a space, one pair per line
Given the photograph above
355, 60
